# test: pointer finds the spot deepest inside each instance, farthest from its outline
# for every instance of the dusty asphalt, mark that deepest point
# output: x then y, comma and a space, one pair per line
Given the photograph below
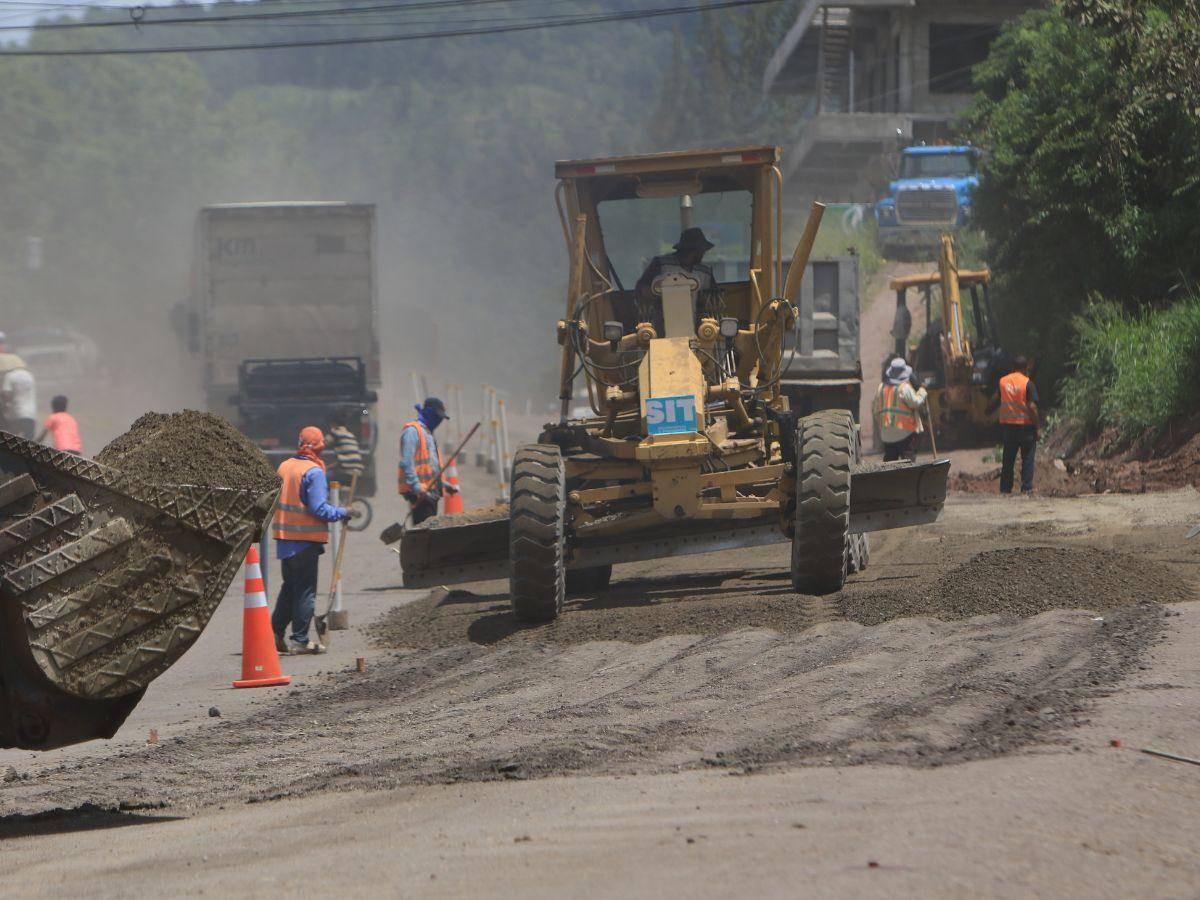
699, 772
657, 745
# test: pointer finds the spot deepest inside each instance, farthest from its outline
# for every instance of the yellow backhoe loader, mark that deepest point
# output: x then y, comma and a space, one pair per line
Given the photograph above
960, 366
691, 446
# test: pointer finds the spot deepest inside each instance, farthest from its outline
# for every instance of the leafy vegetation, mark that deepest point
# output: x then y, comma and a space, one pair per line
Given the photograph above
1134, 372
107, 160
1090, 112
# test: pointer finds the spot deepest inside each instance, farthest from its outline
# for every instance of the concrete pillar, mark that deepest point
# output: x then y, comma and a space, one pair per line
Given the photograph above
904, 90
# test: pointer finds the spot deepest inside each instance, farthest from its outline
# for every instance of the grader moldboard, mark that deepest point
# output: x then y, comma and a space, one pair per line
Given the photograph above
692, 447
105, 581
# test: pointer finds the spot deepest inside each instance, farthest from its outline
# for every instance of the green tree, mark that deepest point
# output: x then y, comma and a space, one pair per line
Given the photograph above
1090, 115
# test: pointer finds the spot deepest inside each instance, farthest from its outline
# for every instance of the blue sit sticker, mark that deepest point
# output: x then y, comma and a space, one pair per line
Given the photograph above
671, 415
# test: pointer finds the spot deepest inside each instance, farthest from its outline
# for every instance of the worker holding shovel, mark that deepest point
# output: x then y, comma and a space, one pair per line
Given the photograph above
301, 531
421, 465
897, 412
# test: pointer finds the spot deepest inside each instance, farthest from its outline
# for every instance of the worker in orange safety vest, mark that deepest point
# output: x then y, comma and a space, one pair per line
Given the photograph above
897, 412
1018, 402
301, 530
421, 461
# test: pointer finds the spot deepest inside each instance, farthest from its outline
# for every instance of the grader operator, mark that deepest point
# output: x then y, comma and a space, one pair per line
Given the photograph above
691, 446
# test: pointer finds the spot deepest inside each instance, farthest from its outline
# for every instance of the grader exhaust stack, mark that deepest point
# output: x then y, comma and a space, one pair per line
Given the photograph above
692, 446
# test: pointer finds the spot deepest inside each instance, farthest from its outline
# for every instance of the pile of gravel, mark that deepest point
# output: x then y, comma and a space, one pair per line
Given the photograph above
1026, 581
190, 447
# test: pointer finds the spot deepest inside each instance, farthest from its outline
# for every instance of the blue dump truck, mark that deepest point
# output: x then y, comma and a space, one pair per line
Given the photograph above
931, 194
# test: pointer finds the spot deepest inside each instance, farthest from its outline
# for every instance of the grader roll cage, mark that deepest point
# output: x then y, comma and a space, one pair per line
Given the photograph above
691, 446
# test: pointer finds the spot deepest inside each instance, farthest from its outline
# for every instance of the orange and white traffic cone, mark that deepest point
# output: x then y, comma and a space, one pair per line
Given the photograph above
454, 502
260, 660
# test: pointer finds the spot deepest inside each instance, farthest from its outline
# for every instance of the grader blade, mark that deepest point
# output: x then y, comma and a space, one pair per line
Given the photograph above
456, 549
105, 581
474, 546
896, 495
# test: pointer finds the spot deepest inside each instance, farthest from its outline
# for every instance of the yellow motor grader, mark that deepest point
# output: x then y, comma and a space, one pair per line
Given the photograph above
690, 446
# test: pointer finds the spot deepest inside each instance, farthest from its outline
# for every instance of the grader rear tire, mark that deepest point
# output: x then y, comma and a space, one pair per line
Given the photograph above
821, 540
537, 533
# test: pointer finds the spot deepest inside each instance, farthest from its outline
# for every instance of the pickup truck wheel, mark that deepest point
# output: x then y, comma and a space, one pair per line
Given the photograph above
589, 580
821, 539
537, 533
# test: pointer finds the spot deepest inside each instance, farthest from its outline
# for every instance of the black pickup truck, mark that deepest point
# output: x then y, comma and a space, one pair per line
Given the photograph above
278, 397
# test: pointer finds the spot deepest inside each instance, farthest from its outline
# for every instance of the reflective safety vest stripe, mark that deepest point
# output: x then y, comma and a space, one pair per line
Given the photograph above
893, 413
293, 521
422, 462
1014, 410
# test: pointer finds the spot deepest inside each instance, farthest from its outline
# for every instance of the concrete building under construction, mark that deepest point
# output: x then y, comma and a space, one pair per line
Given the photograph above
881, 74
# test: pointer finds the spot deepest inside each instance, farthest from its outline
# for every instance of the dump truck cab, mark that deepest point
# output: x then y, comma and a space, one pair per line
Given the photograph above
931, 194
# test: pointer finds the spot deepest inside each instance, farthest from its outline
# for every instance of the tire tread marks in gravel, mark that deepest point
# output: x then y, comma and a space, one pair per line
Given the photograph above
819, 548
537, 578
909, 692
190, 447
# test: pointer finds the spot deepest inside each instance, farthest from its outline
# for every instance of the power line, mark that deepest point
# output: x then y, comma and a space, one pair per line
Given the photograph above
140, 20
138, 15
564, 22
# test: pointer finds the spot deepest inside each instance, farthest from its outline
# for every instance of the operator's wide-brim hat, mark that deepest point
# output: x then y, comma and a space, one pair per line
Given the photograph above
693, 239
898, 371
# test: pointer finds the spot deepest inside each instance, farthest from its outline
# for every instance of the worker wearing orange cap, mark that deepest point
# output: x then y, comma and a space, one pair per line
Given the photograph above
301, 530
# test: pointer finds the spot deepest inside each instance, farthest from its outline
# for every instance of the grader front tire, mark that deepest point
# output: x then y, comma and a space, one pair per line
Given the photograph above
537, 533
821, 540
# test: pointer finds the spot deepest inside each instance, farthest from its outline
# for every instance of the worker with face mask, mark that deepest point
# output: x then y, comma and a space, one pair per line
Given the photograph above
420, 481
301, 531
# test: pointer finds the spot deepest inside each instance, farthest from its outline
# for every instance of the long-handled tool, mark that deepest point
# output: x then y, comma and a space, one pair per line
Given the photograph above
395, 531
932, 436
337, 570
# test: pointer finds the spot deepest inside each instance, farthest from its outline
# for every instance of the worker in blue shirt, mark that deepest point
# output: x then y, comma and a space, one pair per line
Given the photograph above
420, 479
301, 530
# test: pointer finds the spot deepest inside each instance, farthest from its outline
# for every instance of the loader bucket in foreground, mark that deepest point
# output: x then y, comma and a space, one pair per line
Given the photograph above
105, 581
474, 546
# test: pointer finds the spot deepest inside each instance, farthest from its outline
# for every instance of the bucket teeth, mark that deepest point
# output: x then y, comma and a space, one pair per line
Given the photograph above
105, 580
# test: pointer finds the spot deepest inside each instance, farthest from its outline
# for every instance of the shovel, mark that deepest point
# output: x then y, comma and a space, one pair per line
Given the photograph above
932, 436
319, 621
395, 531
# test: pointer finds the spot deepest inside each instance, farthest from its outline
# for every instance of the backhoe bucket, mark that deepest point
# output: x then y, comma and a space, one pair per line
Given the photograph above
105, 581
474, 547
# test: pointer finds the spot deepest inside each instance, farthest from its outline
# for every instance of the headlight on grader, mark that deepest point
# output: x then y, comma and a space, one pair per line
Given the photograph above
729, 328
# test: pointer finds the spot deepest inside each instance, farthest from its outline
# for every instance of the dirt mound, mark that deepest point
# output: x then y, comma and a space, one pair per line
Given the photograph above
913, 692
190, 448
1048, 481
1024, 582
1099, 466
